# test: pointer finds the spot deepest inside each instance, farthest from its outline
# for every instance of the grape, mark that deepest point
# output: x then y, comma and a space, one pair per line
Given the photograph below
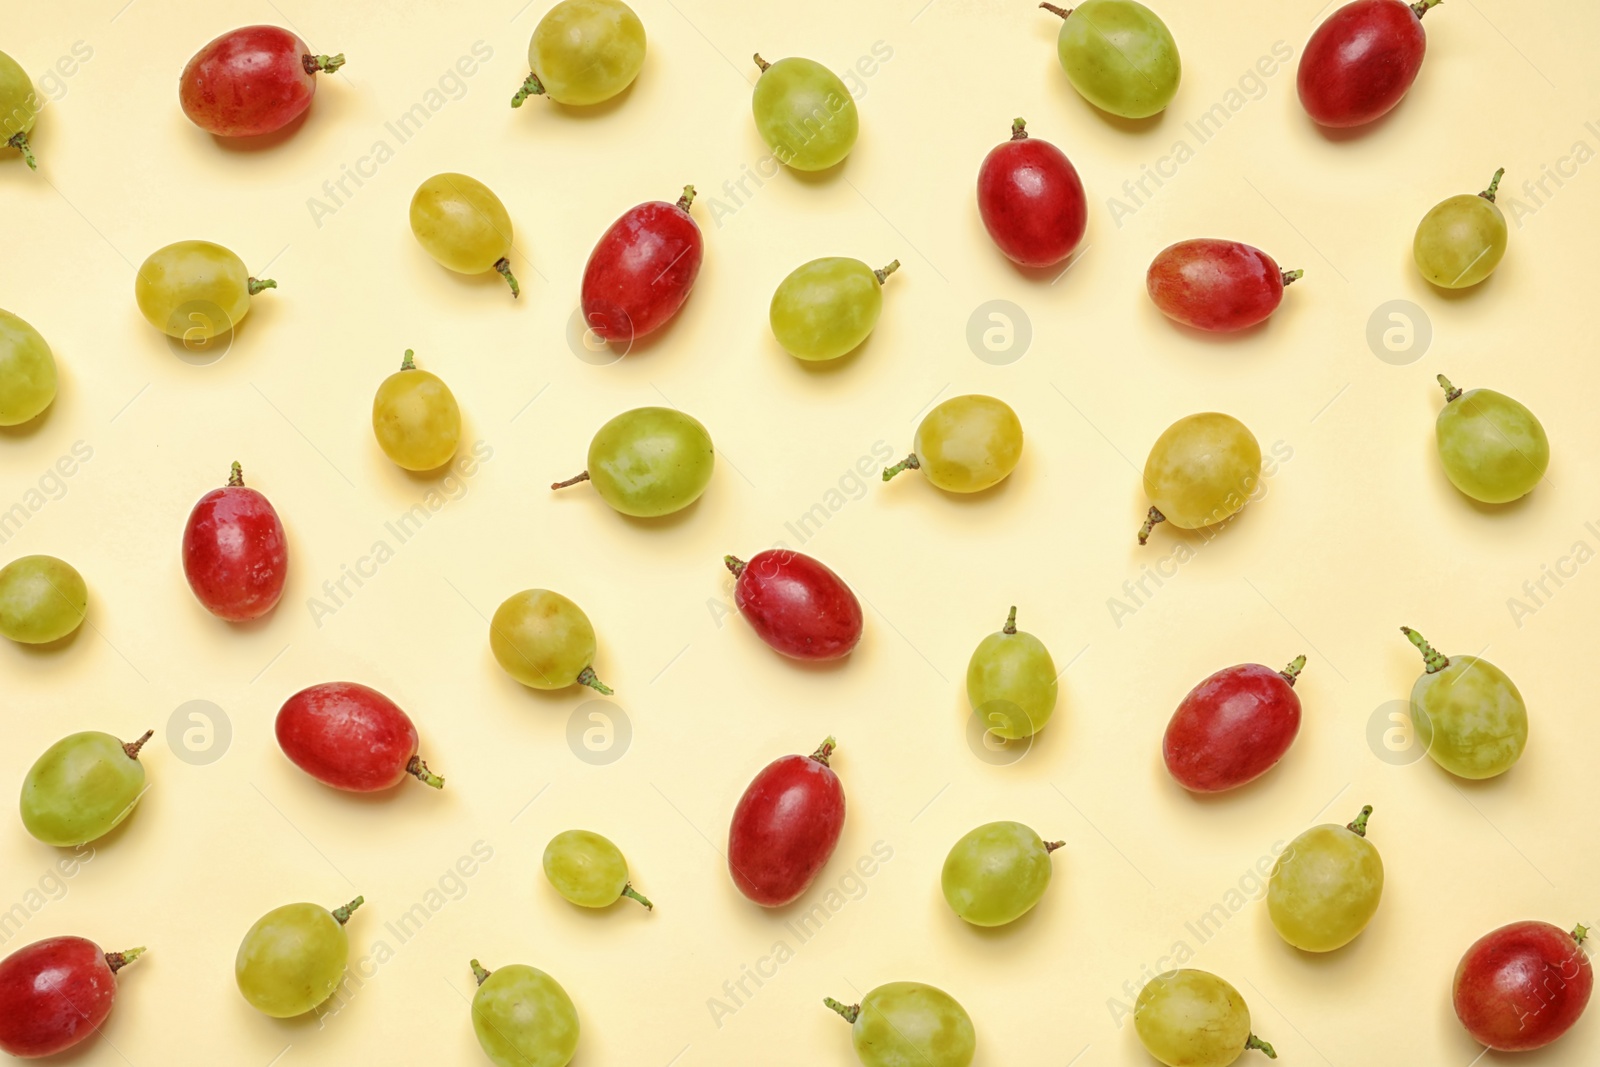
583, 52
1233, 727
786, 826
55, 993
1326, 887
545, 641
965, 445
649, 462
195, 290
82, 788
415, 418
796, 605
908, 1024
1011, 682
1031, 200
827, 307
1218, 286
523, 1018
19, 108
641, 270
1360, 62
27, 371
1202, 469
293, 958
251, 81
1190, 1018
997, 873
1119, 55
1467, 713
589, 870
461, 223
234, 552
804, 113
351, 737
1524, 985
42, 599
1461, 240
1493, 448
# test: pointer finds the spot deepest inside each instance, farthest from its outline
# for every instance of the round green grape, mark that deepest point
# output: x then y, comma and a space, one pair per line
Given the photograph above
908, 1024
293, 958
544, 641
1011, 682
997, 873
42, 599
804, 113
19, 108
827, 307
415, 418
461, 223
1202, 469
1493, 449
1119, 55
649, 462
1462, 240
589, 870
27, 371
1326, 887
195, 290
965, 445
1190, 1018
1467, 713
583, 52
523, 1018
82, 787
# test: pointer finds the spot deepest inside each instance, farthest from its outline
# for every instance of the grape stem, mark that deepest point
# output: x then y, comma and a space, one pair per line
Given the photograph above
1292, 276
734, 564
1011, 622
686, 199
1420, 8
326, 64
1580, 933
1292, 671
1359, 826
419, 770
503, 265
132, 747
1450, 391
633, 894
850, 1012
882, 273
1255, 1042
342, 915
1150, 522
1019, 129
409, 362
256, 285
763, 64
910, 463
118, 960
1494, 185
1051, 846
236, 476
1066, 11
589, 678
531, 86
479, 973
824, 751
574, 480
1434, 660
20, 143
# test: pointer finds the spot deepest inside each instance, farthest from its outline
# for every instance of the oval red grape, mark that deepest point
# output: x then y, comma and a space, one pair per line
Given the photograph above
641, 270
1031, 200
796, 605
785, 827
1233, 727
1360, 62
1522, 986
351, 737
55, 993
234, 552
251, 81
1215, 285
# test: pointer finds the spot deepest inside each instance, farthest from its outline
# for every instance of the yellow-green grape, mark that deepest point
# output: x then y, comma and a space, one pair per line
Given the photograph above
42, 599
1202, 469
965, 445
461, 223
804, 113
589, 870
908, 1024
997, 873
649, 462
583, 52
27, 371
293, 958
544, 641
195, 290
1119, 55
1462, 240
19, 108
1011, 682
82, 787
1326, 887
523, 1018
415, 418
1493, 448
827, 307
1190, 1018
1467, 713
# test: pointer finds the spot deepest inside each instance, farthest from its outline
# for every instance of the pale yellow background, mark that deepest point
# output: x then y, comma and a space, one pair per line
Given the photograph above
1359, 531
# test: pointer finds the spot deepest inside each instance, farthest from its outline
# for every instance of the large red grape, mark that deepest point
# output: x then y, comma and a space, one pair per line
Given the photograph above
234, 552
1215, 285
1522, 986
796, 605
55, 993
1360, 62
785, 827
1031, 200
251, 81
351, 737
1233, 727
641, 270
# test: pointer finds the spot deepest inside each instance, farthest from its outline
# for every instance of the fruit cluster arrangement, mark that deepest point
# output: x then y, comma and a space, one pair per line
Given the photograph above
1230, 729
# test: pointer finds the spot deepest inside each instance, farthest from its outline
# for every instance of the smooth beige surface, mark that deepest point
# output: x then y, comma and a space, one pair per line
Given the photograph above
1359, 531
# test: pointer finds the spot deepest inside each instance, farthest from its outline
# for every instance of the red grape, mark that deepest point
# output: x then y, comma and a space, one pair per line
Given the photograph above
234, 552
1233, 727
1524, 985
1216, 285
1360, 62
351, 737
1031, 200
251, 81
642, 269
785, 827
796, 605
55, 993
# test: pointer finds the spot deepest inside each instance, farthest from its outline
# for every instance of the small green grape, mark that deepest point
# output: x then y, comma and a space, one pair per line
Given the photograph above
826, 308
589, 870
27, 371
294, 958
1493, 449
908, 1024
195, 290
649, 462
82, 788
1461, 240
42, 599
804, 113
523, 1018
19, 108
583, 52
965, 445
1467, 713
544, 641
1326, 887
1190, 1018
997, 873
1011, 682
1201, 470
461, 223
415, 418
1119, 55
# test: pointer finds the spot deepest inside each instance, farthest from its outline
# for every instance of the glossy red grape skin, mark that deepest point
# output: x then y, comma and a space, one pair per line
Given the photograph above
351, 737
1233, 727
54, 994
1360, 62
785, 827
641, 270
1522, 986
796, 605
1031, 200
1215, 285
250, 81
234, 552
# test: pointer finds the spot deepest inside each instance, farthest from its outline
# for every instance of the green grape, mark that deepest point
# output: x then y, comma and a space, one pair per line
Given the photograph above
1467, 713
544, 641
27, 371
1119, 55
583, 52
1326, 887
523, 1018
965, 445
1462, 240
1201, 470
82, 787
1190, 1018
804, 113
415, 418
649, 462
1493, 449
827, 307
589, 870
1011, 682
19, 108
461, 223
908, 1024
293, 958
195, 290
42, 599
997, 873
